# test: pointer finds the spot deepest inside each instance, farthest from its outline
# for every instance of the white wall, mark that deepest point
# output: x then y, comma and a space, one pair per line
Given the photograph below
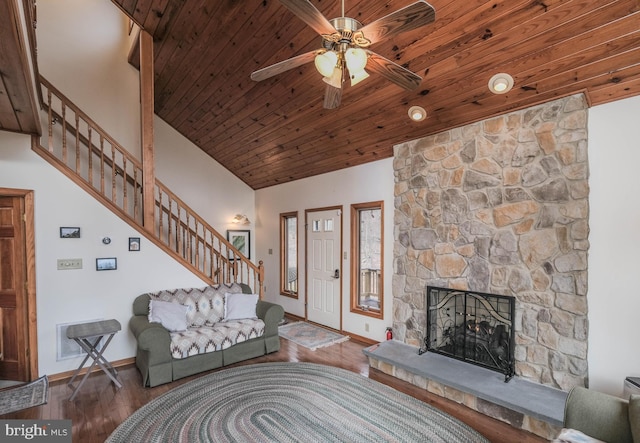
82, 50
614, 263
206, 186
71, 296
83, 47
360, 184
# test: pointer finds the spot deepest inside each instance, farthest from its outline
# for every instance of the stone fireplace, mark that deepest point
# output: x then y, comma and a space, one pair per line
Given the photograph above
501, 206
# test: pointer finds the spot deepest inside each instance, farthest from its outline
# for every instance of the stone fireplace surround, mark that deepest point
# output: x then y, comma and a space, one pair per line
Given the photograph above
501, 206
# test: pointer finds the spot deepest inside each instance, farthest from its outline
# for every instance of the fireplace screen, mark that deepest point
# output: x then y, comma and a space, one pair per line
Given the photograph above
471, 326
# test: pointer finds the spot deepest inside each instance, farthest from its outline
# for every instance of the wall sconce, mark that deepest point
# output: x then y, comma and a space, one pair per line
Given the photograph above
501, 83
241, 219
417, 113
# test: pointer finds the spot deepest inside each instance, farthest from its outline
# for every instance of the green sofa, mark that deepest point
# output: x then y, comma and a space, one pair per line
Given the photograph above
154, 355
601, 416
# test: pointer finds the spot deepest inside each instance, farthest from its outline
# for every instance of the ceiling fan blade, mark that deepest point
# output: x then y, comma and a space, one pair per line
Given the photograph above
308, 13
392, 71
285, 65
410, 17
332, 97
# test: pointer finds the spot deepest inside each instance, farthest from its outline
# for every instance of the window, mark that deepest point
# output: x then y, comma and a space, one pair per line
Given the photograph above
367, 249
289, 254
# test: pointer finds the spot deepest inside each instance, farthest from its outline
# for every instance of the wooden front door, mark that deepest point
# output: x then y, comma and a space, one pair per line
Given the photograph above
15, 363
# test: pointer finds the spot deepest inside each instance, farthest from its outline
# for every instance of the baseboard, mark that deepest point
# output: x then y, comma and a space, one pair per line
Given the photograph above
360, 339
293, 317
68, 374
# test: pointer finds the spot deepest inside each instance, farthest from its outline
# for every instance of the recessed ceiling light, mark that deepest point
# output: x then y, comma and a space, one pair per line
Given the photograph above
501, 83
417, 113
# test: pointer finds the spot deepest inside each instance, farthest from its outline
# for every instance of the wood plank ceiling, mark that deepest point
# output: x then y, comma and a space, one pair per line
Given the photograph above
18, 100
276, 131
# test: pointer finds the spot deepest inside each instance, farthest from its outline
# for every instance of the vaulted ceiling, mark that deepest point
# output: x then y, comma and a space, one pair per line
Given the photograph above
277, 130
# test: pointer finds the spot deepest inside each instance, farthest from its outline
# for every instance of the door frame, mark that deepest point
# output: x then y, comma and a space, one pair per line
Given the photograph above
306, 258
27, 197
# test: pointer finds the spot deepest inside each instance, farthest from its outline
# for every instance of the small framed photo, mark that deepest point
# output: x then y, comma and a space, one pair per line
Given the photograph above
69, 232
106, 264
134, 243
241, 240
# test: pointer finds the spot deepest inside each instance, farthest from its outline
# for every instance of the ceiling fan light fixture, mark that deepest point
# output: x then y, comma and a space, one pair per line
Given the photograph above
501, 83
335, 79
326, 63
357, 77
417, 113
356, 59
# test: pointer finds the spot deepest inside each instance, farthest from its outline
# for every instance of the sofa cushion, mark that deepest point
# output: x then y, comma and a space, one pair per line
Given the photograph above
205, 306
239, 306
205, 339
634, 416
173, 316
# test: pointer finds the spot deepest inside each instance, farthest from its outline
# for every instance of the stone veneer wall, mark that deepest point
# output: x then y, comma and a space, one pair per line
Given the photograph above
501, 206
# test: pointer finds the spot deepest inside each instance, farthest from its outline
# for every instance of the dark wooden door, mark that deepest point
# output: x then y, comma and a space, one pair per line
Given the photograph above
13, 305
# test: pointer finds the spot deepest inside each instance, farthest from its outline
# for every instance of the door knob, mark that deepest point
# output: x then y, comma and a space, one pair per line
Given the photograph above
336, 273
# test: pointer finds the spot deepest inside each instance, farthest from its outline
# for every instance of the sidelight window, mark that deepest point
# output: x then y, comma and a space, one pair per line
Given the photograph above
367, 258
289, 254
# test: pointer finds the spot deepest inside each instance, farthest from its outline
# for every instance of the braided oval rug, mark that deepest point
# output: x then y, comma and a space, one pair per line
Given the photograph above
289, 402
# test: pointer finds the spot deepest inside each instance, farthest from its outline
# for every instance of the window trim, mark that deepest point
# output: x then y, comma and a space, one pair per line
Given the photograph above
355, 258
284, 217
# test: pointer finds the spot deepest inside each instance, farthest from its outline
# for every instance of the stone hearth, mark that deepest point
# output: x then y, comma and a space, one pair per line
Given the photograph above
523, 404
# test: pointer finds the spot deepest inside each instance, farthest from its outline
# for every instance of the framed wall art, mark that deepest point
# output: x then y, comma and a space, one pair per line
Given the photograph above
106, 264
134, 243
241, 240
69, 232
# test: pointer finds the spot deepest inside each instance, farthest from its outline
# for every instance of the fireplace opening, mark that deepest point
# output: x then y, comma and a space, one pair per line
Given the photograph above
471, 326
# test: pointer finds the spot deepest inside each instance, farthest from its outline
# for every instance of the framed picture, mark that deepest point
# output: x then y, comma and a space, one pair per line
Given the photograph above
68, 232
134, 243
106, 264
241, 240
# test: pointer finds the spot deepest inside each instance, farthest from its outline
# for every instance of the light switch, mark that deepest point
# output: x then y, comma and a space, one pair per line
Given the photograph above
69, 263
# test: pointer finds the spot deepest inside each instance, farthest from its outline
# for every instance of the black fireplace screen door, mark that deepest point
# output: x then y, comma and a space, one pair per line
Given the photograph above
471, 326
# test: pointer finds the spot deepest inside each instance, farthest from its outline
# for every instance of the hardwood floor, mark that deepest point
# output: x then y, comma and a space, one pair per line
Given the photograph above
99, 408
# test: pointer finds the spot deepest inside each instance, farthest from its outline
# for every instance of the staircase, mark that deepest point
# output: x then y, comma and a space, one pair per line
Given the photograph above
85, 153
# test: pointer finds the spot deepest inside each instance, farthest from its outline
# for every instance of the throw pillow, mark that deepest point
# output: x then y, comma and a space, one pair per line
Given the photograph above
240, 306
173, 316
634, 416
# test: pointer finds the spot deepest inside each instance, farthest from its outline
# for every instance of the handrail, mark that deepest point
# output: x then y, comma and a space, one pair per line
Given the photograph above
188, 234
82, 150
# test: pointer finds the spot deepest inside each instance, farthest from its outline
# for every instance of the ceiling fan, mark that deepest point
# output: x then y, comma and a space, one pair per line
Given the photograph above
344, 52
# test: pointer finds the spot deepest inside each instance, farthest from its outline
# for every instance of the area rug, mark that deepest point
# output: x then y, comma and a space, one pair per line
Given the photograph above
289, 402
310, 336
25, 395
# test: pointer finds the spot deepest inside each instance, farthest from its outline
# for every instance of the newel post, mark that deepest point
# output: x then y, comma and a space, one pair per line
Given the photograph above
146, 120
261, 278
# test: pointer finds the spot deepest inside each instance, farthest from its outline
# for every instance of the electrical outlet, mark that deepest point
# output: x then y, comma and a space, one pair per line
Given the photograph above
69, 263
366, 327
